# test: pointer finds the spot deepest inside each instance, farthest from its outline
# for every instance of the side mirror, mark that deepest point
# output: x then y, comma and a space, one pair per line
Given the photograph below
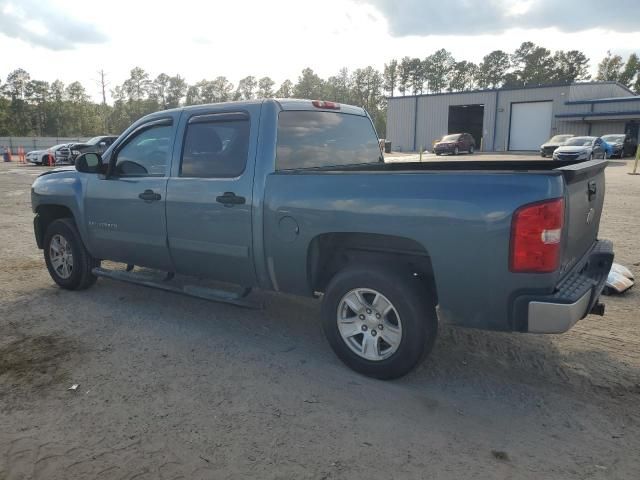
89, 163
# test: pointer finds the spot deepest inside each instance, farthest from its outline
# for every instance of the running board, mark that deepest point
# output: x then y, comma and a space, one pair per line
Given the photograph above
204, 293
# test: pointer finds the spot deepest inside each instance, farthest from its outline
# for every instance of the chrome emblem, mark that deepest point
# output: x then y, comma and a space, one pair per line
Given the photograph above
590, 215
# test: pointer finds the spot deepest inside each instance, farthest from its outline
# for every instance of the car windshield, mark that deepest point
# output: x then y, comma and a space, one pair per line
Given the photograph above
450, 138
613, 138
579, 141
93, 141
559, 138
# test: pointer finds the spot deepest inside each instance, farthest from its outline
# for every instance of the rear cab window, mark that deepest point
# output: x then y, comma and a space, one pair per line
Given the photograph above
319, 139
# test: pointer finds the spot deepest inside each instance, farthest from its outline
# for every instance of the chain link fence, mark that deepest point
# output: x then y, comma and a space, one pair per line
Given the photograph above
35, 143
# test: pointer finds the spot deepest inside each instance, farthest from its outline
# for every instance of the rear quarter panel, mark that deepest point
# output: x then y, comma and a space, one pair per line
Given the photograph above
463, 220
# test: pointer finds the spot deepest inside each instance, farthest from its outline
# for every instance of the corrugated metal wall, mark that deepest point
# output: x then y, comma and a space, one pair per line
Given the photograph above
433, 116
433, 112
599, 129
400, 123
589, 91
628, 106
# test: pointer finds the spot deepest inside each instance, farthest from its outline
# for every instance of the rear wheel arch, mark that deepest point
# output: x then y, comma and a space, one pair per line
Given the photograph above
330, 253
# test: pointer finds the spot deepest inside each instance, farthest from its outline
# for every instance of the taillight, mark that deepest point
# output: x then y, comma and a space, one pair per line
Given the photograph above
536, 234
326, 105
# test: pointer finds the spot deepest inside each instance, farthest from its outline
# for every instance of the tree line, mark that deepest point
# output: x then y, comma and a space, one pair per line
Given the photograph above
36, 107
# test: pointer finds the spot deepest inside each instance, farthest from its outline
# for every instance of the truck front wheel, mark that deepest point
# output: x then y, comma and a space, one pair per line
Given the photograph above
68, 261
378, 321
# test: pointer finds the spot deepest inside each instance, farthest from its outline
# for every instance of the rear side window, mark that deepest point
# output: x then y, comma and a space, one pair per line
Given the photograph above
215, 149
308, 139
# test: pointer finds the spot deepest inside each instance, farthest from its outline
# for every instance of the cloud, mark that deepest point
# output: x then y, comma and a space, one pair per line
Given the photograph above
44, 25
466, 17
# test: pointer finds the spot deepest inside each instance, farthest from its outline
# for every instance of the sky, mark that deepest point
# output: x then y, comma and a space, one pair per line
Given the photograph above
74, 39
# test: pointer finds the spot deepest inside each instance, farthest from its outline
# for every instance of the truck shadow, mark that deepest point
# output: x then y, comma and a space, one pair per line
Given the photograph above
286, 334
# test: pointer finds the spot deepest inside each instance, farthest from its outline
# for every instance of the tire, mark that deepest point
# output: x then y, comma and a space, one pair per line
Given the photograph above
411, 309
456, 151
472, 149
64, 233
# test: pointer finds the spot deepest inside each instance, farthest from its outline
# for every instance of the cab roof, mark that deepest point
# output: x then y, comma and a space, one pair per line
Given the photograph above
283, 103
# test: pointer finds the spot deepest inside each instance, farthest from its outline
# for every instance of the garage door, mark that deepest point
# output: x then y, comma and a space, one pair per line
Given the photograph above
530, 125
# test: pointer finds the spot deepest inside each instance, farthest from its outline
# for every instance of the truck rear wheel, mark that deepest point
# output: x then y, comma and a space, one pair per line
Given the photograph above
68, 261
378, 320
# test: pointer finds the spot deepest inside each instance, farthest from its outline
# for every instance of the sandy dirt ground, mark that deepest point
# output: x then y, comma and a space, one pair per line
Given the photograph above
174, 387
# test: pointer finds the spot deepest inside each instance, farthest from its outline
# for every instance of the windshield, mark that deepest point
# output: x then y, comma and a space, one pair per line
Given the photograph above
450, 138
580, 141
559, 138
93, 141
613, 138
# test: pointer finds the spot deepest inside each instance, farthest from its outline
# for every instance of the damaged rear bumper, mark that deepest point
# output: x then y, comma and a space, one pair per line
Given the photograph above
574, 297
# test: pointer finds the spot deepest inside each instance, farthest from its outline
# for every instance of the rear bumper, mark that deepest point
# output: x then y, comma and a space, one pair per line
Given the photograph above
574, 296
444, 149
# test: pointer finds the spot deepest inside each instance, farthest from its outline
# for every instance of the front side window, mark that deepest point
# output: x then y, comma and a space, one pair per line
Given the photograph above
215, 149
308, 139
146, 153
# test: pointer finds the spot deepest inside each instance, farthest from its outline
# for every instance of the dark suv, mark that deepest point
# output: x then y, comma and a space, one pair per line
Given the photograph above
94, 145
455, 143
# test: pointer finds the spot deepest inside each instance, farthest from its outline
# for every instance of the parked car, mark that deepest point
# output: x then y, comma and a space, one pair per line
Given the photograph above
94, 145
580, 148
58, 154
292, 196
455, 143
623, 145
548, 147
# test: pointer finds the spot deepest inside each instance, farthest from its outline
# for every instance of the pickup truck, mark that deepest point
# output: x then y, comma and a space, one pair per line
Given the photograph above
295, 196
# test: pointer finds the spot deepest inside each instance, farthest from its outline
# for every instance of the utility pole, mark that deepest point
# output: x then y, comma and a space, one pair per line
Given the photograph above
103, 84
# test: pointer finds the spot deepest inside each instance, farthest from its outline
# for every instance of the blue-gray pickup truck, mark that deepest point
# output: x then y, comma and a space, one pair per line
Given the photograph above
295, 196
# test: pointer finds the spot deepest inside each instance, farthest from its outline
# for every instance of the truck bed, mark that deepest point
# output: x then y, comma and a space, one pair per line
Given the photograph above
462, 165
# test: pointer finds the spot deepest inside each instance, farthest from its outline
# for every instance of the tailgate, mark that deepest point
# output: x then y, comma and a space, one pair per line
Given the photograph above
584, 199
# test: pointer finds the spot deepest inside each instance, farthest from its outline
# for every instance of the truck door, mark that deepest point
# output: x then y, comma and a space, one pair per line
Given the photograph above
209, 195
125, 211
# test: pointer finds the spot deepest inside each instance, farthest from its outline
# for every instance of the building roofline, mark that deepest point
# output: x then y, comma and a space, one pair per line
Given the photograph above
508, 89
597, 114
635, 98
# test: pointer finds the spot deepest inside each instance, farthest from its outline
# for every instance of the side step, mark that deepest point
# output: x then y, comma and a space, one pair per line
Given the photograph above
196, 291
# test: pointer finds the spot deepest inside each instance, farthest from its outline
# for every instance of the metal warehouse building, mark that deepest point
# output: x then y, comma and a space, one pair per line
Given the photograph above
513, 119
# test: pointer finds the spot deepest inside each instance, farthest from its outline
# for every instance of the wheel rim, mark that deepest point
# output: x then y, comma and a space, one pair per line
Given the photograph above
61, 256
369, 324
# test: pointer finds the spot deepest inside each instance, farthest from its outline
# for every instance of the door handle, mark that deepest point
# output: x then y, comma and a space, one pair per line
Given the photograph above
229, 199
149, 196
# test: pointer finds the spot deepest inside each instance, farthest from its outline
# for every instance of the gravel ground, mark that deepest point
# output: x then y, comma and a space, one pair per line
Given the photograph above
175, 387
